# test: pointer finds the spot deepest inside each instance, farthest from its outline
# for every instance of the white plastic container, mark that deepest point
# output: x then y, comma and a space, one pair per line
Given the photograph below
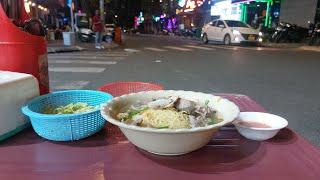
69, 38
15, 90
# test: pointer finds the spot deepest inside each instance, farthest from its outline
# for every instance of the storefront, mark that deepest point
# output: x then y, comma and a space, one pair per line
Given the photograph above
192, 13
224, 9
259, 12
254, 12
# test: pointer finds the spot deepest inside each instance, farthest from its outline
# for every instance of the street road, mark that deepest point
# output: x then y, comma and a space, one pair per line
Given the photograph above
284, 81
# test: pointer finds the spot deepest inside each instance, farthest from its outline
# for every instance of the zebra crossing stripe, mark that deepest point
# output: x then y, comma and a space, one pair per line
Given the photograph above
120, 54
155, 49
82, 62
71, 85
199, 47
80, 58
177, 48
77, 69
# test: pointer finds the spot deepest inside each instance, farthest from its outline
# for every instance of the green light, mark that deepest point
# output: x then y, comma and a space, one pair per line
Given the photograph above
244, 15
266, 22
242, 11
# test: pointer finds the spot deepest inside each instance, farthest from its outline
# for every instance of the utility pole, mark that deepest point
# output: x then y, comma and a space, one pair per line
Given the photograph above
102, 15
71, 14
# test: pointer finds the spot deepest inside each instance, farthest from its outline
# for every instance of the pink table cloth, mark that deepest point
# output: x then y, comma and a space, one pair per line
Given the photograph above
108, 155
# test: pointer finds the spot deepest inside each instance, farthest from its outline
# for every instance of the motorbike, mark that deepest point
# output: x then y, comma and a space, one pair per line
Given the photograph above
188, 33
289, 33
315, 35
85, 34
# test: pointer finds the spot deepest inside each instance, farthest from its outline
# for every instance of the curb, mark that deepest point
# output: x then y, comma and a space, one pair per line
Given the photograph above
283, 45
64, 49
172, 36
310, 48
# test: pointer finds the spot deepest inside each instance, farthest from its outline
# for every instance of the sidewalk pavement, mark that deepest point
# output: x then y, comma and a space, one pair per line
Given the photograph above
310, 48
298, 46
283, 45
58, 46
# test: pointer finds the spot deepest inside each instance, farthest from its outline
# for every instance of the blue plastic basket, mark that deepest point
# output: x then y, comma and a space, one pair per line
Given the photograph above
67, 127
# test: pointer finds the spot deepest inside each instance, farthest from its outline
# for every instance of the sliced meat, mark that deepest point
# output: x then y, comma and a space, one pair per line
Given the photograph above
185, 105
162, 103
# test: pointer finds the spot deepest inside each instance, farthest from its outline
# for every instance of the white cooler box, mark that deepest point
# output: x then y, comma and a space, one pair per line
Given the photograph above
15, 90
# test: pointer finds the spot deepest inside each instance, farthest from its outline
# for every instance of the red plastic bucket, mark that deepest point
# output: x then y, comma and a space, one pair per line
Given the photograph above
23, 52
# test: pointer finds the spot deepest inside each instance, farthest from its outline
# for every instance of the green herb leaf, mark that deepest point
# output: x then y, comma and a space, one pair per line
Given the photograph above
207, 102
214, 120
135, 112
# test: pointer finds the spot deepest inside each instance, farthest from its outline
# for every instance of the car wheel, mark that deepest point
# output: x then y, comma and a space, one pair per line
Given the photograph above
227, 40
205, 39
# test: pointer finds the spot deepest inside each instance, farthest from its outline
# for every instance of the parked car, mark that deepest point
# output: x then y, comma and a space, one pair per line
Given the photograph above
230, 32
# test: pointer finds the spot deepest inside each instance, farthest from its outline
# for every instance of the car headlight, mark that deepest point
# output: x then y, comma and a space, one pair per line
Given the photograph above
260, 34
236, 32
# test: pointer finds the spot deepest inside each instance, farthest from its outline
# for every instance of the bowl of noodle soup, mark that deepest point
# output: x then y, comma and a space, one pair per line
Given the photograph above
178, 136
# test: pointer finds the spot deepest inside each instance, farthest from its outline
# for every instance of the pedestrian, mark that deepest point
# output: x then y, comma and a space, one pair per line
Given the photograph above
98, 29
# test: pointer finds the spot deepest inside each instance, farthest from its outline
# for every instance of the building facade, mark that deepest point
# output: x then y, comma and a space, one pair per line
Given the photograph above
298, 12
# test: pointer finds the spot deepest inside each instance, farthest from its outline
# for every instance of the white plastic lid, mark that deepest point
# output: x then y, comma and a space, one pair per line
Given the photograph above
7, 76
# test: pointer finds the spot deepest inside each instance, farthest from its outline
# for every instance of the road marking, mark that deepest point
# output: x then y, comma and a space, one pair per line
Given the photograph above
199, 47
89, 56
83, 58
222, 47
77, 57
118, 54
177, 48
77, 69
244, 48
131, 50
71, 85
82, 62
155, 49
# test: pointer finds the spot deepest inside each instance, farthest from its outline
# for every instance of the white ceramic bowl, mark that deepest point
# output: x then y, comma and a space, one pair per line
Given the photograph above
169, 141
260, 134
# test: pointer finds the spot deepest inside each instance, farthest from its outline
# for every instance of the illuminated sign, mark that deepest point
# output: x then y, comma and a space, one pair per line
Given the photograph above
226, 10
190, 5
